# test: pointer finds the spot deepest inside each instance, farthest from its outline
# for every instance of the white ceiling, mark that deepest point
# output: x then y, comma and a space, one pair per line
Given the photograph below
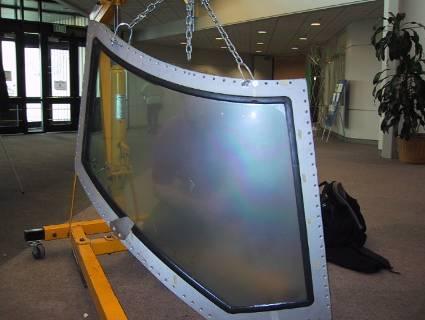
283, 33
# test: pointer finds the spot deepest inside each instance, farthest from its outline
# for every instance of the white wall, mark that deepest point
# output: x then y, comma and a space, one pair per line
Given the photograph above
359, 67
207, 61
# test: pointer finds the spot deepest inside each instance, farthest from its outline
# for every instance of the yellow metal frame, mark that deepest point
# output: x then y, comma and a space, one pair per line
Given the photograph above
86, 251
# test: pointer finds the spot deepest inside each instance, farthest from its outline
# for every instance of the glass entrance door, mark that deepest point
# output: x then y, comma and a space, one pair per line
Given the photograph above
11, 113
43, 77
62, 98
33, 83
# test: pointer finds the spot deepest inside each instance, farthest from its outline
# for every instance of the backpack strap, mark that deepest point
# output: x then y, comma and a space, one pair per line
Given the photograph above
379, 260
323, 183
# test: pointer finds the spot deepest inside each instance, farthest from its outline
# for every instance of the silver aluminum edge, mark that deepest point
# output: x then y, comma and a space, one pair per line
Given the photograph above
296, 90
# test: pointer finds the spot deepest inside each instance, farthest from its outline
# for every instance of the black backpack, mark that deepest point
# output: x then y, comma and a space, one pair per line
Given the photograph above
345, 231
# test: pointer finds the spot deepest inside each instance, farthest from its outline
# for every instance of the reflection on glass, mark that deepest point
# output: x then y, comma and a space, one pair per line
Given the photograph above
7, 13
32, 72
31, 15
34, 112
81, 62
61, 112
9, 65
59, 67
209, 183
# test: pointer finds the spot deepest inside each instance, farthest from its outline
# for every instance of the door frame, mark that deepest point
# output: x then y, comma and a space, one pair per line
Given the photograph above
76, 37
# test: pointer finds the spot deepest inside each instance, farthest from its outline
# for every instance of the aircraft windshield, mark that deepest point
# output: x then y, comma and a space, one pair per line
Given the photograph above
212, 184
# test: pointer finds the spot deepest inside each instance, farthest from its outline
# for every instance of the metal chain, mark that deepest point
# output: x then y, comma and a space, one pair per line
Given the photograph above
190, 27
149, 9
190, 7
241, 64
141, 16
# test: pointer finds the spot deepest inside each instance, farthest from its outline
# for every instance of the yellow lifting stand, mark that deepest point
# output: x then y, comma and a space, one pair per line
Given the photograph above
87, 249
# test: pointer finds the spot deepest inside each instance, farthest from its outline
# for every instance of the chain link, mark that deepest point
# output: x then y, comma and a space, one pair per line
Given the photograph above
190, 26
241, 64
149, 9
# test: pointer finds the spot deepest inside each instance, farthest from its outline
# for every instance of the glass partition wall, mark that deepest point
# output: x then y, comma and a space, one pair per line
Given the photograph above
210, 183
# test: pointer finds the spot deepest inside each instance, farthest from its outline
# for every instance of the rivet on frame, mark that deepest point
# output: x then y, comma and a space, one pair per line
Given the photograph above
266, 83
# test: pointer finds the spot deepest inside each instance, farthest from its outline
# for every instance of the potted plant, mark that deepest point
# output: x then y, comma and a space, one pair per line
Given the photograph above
401, 92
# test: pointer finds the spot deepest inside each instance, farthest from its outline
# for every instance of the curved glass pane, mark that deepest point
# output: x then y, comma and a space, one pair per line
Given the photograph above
210, 184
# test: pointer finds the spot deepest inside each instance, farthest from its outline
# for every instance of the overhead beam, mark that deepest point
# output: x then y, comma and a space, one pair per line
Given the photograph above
239, 11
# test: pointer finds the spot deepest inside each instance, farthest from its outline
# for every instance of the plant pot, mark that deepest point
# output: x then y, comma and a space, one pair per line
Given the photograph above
413, 150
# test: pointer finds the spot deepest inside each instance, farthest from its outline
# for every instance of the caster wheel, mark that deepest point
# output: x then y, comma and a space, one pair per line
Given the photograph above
38, 251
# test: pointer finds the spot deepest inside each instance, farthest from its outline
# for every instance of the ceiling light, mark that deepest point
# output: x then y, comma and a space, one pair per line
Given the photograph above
258, 51
261, 31
223, 47
260, 43
295, 48
315, 24
182, 42
303, 38
219, 38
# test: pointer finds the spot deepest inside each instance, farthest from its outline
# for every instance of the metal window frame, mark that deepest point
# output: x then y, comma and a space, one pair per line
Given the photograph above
296, 90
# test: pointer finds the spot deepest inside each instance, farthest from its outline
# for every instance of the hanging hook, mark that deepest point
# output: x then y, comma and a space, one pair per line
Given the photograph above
246, 81
122, 24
